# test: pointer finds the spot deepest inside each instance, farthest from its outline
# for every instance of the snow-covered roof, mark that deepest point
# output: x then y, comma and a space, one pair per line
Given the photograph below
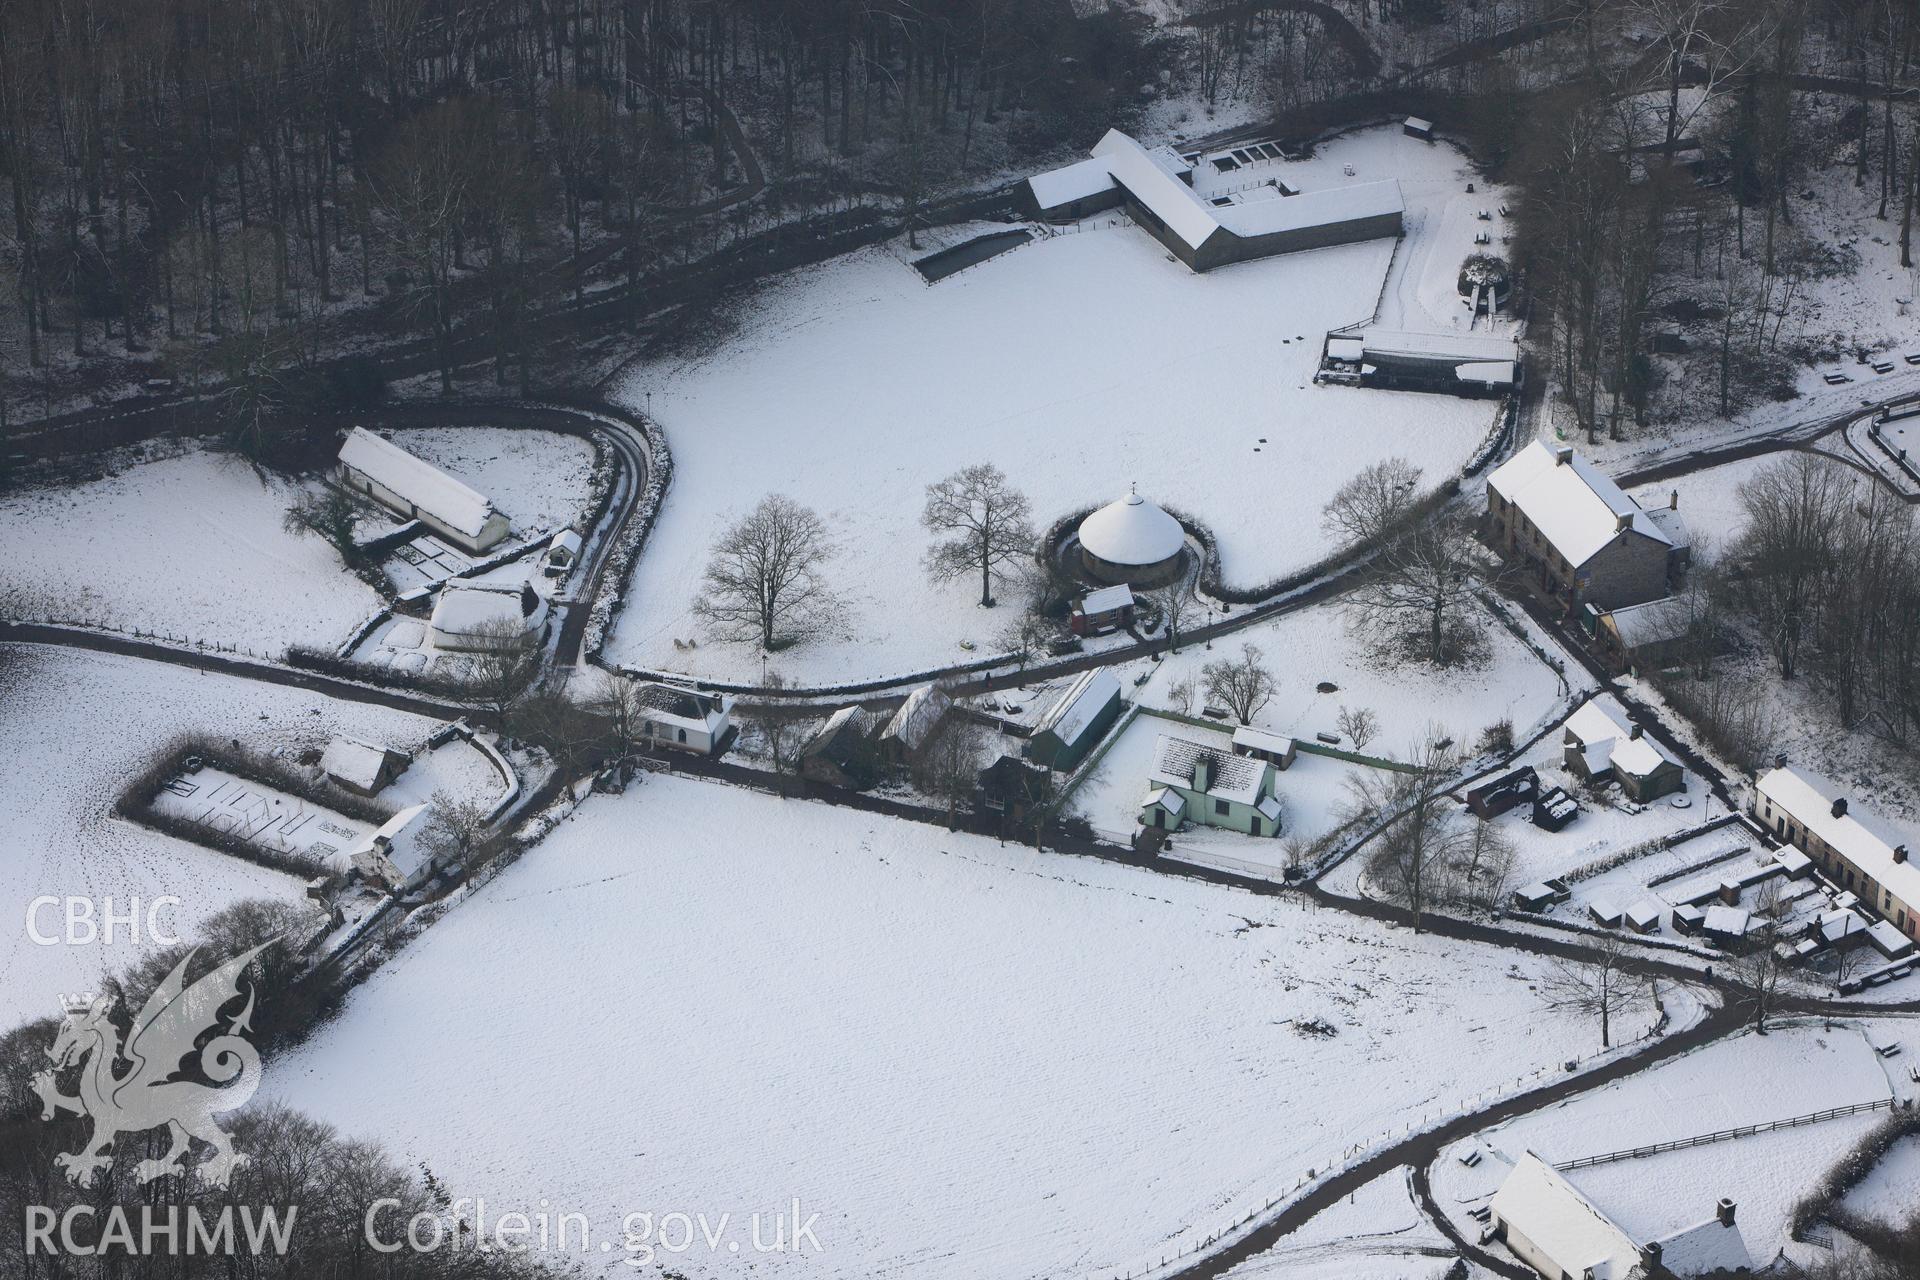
1234, 777
1345, 348
354, 762
421, 483
917, 716
1606, 740
1071, 182
1562, 1223
1270, 808
1260, 740
1492, 373
1643, 914
566, 540
1132, 531
1673, 524
1076, 709
1573, 504
396, 840
1731, 922
688, 708
1379, 341
1167, 798
1705, 1247
1649, 623
1864, 839
1415, 122
477, 608
1311, 209
1891, 942
1107, 599
845, 720
1165, 196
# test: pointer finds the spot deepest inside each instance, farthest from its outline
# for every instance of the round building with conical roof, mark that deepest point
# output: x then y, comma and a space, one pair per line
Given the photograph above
1132, 541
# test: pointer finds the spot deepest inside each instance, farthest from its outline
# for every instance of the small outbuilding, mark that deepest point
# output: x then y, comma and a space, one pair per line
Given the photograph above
562, 553
1132, 541
1415, 127
841, 753
475, 616
361, 767
1108, 609
1491, 799
1076, 720
1276, 749
912, 726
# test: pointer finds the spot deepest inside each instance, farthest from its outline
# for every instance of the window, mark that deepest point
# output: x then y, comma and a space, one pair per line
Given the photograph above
1221, 807
683, 735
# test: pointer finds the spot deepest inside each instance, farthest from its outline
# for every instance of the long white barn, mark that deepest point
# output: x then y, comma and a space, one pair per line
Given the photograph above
417, 490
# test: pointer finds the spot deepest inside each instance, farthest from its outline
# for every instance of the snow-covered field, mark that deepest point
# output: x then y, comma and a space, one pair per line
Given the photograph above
1889, 1192
1079, 364
191, 546
1749, 1079
969, 1058
78, 727
541, 479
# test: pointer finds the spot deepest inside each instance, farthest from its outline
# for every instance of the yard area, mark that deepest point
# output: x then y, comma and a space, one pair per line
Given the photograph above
1079, 364
1750, 1079
541, 479
888, 1022
191, 546
79, 727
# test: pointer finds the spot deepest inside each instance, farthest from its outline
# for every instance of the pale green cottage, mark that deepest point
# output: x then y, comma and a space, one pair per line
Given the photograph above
1210, 786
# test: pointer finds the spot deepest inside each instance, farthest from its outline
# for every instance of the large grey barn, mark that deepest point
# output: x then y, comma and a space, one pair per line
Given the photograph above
1155, 187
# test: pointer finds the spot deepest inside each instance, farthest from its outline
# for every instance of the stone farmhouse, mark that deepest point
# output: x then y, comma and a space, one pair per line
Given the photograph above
1581, 539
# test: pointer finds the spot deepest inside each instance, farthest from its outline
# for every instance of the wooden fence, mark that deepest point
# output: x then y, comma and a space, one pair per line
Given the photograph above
1727, 1135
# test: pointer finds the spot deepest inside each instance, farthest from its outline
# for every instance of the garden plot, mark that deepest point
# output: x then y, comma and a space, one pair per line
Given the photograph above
227, 805
541, 479
1747, 1080
1312, 793
191, 546
888, 1021
1078, 364
79, 728
1315, 646
1606, 825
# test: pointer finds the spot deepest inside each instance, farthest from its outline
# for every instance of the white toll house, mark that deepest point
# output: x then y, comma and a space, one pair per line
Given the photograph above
393, 856
1132, 541
415, 489
1550, 1225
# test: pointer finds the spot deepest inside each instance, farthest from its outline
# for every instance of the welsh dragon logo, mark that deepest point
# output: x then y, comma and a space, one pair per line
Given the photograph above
148, 1096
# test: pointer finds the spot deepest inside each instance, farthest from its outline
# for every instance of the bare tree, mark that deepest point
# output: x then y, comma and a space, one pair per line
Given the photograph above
1757, 972
1598, 985
1180, 696
1484, 866
1421, 833
988, 524
948, 767
327, 514
1420, 590
1175, 605
1374, 504
1026, 635
764, 583
1360, 725
455, 829
782, 729
496, 672
1243, 684
1794, 509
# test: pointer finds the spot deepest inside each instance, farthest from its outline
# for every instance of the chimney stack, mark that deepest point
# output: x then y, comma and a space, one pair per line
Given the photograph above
1562, 455
1899, 853
1840, 807
1635, 731
1622, 521
1724, 1212
1673, 501
1780, 760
